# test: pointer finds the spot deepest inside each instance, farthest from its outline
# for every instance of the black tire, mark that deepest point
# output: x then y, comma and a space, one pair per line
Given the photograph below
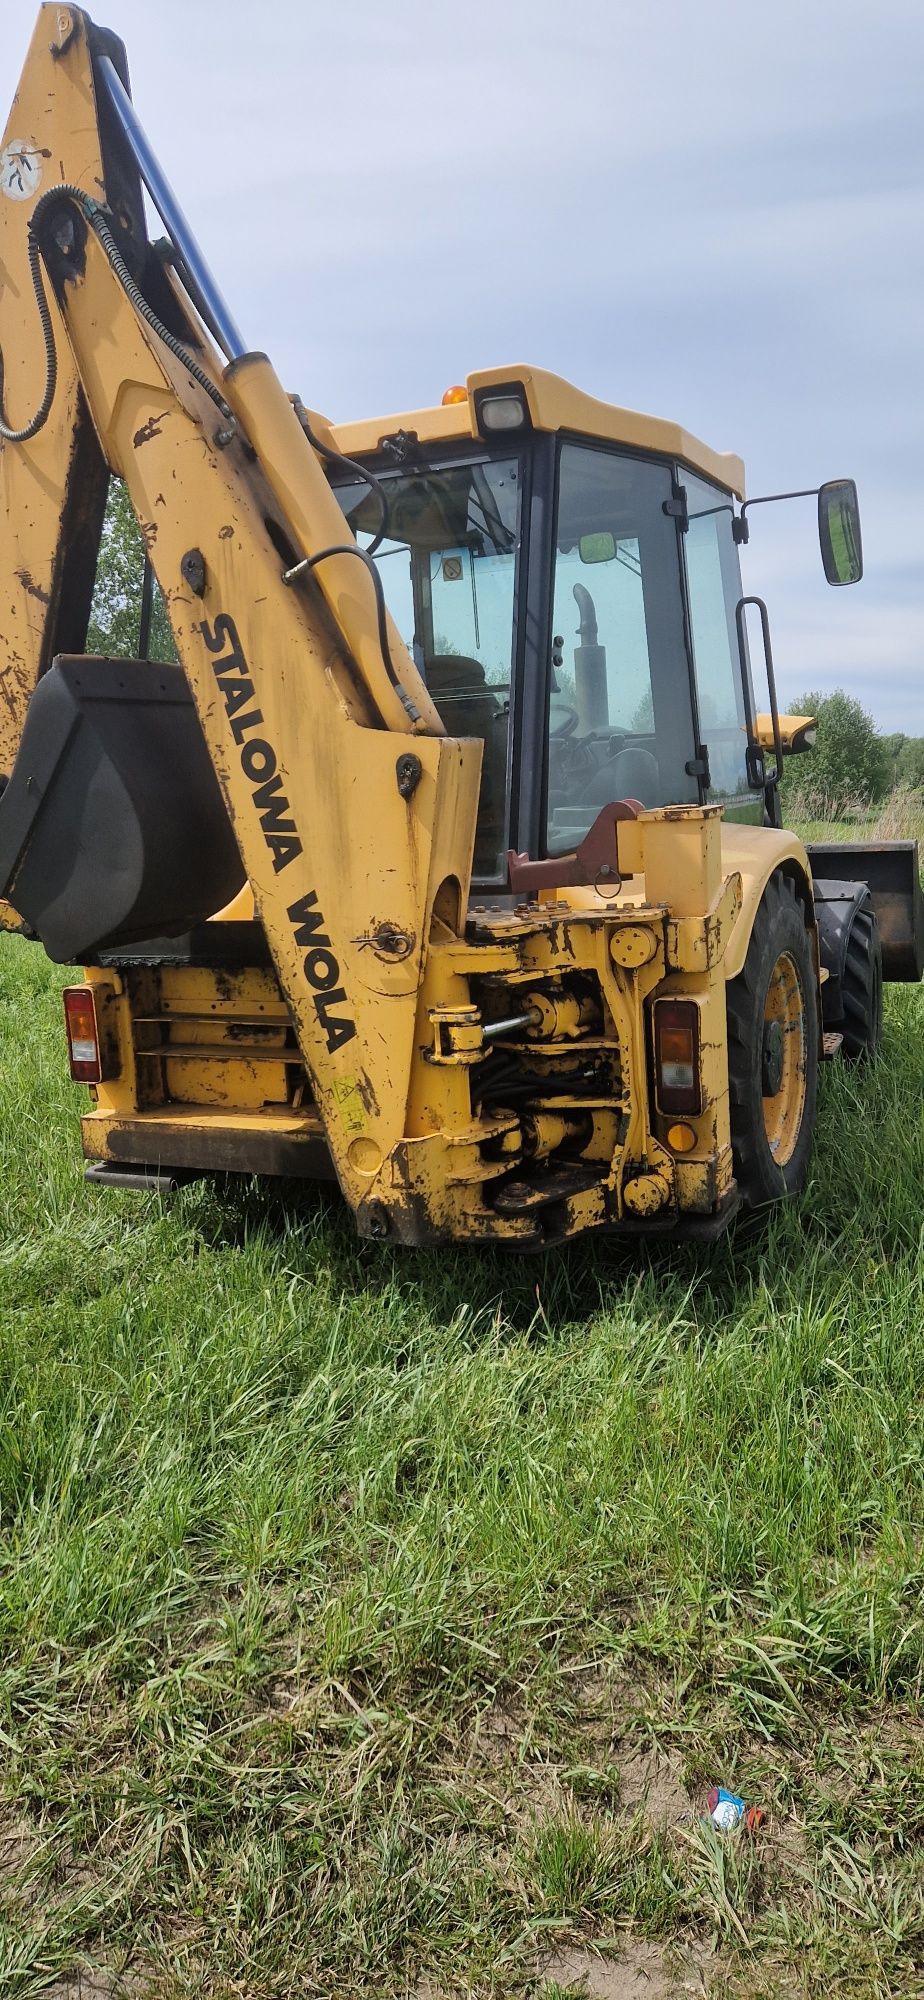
778, 970
861, 990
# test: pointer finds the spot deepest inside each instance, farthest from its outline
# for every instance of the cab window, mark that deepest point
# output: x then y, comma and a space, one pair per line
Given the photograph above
620, 721
714, 587
449, 564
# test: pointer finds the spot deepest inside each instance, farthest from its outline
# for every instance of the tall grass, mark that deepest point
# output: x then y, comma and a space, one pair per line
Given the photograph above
819, 816
344, 1594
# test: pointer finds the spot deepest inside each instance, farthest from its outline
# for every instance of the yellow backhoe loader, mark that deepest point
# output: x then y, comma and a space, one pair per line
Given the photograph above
448, 860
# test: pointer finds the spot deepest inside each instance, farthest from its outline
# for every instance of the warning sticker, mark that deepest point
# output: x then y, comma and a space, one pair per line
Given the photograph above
20, 170
350, 1104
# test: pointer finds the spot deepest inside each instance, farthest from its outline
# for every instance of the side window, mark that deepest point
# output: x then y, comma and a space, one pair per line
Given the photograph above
620, 720
714, 587
448, 563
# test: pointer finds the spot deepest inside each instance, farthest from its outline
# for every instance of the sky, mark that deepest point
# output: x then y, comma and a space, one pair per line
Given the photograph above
707, 210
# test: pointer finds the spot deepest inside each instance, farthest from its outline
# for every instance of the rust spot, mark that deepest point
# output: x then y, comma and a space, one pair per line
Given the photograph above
34, 589
149, 430
224, 534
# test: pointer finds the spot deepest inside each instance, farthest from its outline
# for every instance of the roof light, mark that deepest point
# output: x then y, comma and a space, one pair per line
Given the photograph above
502, 413
501, 409
457, 394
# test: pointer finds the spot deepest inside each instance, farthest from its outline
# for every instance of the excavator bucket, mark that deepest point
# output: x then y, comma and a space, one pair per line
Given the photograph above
112, 824
891, 871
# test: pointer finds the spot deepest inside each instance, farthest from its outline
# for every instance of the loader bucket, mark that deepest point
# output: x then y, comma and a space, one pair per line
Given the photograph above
891, 871
112, 824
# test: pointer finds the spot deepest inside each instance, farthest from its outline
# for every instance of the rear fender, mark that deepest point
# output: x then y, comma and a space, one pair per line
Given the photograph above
757, 852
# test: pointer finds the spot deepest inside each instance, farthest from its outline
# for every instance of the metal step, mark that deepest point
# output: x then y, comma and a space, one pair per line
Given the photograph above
143, 1179
830, 1045
178, 1142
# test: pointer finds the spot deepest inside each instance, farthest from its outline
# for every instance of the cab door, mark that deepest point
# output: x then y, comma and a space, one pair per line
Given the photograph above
713, 584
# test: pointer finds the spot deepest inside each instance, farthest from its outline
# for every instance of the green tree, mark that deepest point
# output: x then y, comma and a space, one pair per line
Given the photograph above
115, 614
850, 764
910, 761
892, 748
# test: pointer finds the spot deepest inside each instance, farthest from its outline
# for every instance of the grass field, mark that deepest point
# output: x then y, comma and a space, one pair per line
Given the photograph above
372, 1623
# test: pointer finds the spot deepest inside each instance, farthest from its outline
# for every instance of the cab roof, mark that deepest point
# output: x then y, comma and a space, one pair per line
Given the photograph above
554, 405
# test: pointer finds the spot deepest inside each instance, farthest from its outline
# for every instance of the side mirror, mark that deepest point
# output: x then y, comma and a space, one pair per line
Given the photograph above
597, 548
839, 531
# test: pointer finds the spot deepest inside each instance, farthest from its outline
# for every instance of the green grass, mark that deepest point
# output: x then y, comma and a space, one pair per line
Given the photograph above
345, 1595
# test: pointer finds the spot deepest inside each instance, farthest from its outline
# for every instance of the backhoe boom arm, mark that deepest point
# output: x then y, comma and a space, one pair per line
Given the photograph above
311, 707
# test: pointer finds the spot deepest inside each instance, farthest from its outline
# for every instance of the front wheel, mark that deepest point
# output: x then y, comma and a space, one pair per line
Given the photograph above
773, 1052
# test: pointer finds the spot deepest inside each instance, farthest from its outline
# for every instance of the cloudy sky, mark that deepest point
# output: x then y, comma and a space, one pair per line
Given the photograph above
702, 208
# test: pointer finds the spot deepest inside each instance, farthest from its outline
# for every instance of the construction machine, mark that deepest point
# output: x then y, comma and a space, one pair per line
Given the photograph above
446, 859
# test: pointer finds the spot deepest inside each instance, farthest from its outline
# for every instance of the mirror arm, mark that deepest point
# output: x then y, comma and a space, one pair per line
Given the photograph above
740, 522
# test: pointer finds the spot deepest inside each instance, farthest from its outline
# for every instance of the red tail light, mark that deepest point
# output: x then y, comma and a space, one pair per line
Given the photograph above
677, 1078
83, 1043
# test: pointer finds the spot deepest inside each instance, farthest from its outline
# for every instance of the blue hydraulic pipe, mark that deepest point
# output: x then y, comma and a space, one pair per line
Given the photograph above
201, 284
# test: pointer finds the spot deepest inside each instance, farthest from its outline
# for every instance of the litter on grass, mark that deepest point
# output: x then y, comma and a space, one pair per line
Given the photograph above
727, 1811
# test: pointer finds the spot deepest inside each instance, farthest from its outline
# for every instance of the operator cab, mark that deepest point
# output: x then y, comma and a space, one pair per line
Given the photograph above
571, 602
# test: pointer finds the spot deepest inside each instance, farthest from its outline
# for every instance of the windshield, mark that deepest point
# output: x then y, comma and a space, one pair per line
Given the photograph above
448, 562
620, 723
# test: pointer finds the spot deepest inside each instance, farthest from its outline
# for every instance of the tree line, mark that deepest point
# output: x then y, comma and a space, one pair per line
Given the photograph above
851, 764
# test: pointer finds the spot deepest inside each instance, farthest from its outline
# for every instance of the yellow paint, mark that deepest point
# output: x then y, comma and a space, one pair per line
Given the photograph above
754, 852
349, 1054
785, 1018
790, 727
57, 476
554, 405
633, 945
646, 1194
350, 1104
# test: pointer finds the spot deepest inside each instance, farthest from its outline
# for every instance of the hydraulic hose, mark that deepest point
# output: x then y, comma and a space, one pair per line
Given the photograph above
352, 549
351, 465
95, 215
51, 360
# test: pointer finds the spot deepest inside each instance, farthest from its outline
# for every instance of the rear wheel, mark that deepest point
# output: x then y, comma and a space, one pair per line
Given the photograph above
861, 989
773, 1052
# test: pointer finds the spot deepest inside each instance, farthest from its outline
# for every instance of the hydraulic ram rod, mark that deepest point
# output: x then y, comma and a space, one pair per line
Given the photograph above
201, 283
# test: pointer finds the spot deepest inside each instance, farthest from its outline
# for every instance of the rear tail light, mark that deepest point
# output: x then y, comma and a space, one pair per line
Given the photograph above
83, 1042
676, 1039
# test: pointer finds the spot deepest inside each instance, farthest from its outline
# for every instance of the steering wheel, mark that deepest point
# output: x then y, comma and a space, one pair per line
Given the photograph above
569, 719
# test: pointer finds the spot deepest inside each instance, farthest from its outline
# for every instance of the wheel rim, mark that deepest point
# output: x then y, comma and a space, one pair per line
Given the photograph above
783, 1059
